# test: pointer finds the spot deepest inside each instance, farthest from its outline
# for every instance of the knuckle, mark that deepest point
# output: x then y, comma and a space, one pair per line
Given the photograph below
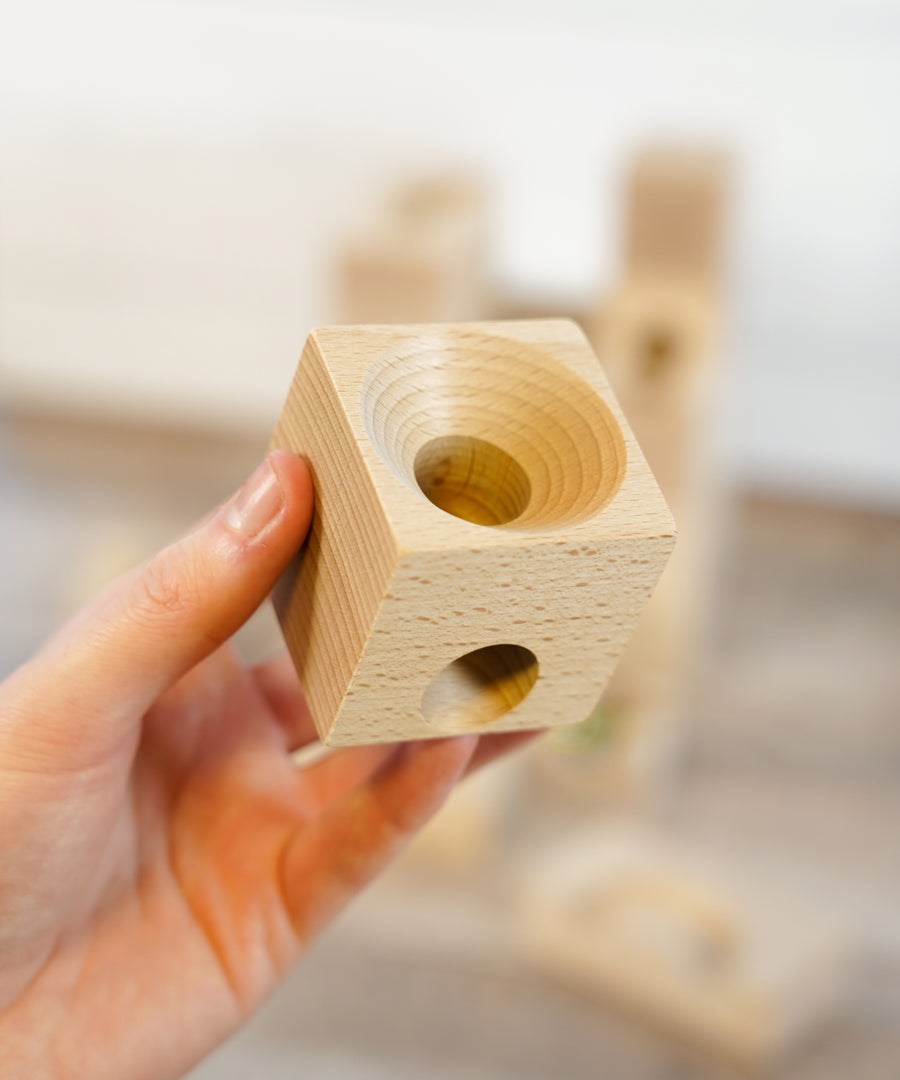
168, 587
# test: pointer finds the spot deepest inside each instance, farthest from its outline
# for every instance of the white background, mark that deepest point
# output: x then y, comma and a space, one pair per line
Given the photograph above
174, 177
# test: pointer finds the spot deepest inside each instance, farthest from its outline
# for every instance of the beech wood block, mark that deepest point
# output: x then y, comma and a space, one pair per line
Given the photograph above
486, 529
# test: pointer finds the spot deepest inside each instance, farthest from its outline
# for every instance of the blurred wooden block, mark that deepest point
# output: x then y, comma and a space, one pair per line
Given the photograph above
676, 201
682, 942
421, 258
658, 340
486, 529
619, 758
510, 304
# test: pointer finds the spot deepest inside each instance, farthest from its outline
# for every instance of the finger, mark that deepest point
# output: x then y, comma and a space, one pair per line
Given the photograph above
214, 711
491, 747
278, 682
328, 861
91, 685
332, 778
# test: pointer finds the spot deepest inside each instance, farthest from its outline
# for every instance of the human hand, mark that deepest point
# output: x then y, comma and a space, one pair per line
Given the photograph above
163, 862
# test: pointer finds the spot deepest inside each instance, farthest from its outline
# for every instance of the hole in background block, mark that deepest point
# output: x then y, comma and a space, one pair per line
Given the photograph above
514, 398
658, 351
472, 479
480, 687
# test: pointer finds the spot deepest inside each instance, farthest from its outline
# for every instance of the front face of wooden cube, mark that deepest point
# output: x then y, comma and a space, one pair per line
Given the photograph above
486, 529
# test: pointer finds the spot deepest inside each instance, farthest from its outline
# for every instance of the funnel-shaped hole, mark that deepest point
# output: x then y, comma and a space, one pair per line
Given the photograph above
480, 687
472, 479
494, 431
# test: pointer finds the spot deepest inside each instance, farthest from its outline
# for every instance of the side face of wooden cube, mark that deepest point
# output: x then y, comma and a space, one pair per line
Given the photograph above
486, 530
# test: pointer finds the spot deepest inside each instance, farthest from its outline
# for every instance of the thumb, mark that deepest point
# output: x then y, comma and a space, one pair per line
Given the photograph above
92, 683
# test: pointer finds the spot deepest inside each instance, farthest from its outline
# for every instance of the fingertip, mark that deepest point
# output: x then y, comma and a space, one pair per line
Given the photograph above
295, 480
445, 753
491, 747
427, 771
452, 748
330, 860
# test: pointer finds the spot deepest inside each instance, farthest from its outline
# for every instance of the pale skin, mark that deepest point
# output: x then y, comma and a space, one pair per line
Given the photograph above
163, 861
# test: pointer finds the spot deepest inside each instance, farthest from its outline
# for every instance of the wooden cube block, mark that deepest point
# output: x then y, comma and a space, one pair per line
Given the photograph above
486, 529
420, 257
675, 213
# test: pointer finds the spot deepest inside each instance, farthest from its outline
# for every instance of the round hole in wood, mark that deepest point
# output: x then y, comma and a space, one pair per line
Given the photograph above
478, 688
472, 479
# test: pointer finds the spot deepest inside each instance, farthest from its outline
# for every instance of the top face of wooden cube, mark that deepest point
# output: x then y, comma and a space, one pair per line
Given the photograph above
477, 489
516, 438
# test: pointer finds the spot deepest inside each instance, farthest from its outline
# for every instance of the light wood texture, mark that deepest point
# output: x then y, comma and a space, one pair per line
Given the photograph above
486, 531
687, 943
676, 201
420, 257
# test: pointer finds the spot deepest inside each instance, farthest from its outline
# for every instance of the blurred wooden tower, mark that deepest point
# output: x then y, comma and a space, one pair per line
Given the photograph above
660, 340
658, 336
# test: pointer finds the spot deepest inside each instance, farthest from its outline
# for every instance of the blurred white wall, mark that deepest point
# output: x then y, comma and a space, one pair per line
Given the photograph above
174, 175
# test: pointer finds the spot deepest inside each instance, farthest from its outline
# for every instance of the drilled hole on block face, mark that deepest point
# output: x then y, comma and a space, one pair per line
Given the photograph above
472, 479
480, 687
